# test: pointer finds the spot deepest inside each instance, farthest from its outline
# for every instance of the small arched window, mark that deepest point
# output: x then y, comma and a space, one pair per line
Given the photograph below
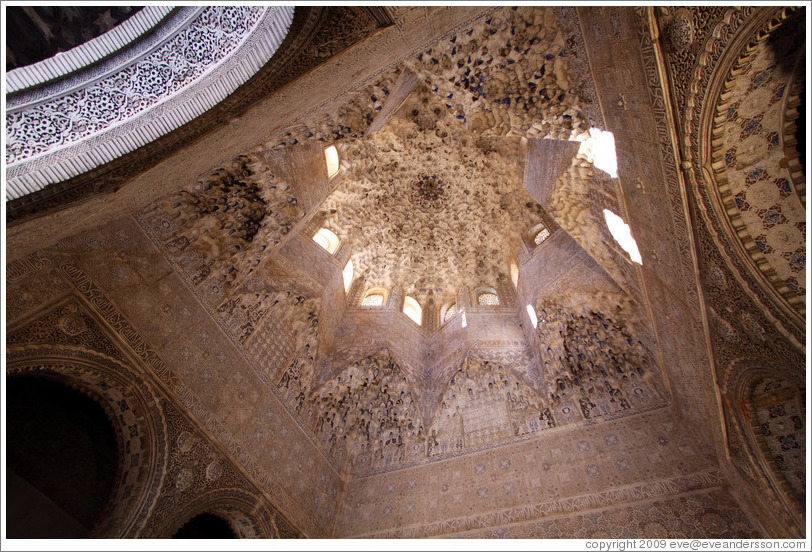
327, 240
348, 273
536, 235
373, 298
623, 235
448, 312
331, 156
531, 312
514, 274
413, 310
542, 234
487, 297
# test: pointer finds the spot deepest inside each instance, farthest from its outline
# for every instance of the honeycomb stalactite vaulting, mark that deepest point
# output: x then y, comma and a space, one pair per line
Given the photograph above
512, 74
349, 120
591, 359
509, 75
429, 192
366, 417
554, 387
473, 95
246, 310
593, 368
221, 227
300, 314
571, 207
472, 407
472, 196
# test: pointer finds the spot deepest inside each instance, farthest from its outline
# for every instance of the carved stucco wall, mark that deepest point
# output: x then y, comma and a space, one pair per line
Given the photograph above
167, 464
249, 330
598, 444
739, 97
244, 415
704, 514
565, 470
650, 198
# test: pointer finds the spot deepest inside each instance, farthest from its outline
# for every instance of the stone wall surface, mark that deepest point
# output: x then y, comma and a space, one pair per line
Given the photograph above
246, 414
73, 338
589, 396
560, 471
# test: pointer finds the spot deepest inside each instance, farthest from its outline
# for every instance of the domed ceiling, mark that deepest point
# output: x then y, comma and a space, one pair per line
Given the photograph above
757, 160
420, 191
431, 194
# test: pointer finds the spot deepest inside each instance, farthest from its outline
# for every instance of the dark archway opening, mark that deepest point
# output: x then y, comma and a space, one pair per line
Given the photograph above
800, 127
36, 33
61, 460
788, 45
205, 526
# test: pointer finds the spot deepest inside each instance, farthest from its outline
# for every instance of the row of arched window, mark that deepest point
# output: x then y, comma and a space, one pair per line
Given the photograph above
327, 239
376, 297
484, 296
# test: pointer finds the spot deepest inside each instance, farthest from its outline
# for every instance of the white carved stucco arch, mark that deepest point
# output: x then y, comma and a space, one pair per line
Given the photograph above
98, 109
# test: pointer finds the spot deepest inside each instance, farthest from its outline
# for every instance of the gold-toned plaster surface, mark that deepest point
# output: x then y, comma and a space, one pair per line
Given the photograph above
419, 189
360, 423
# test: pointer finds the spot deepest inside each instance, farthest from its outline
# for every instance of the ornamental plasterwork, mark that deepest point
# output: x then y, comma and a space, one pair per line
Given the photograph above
172, 82
760, 184
734, 140
450, 152
439, 193
40, 78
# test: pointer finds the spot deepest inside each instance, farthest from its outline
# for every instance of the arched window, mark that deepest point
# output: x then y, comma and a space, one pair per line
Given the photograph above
373, 298
542, 234
412, 309
486, 297
348, 273
599, 148
623, 235
331, 156
514, 274
327, 240
531, 312
448, 312
536, 235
